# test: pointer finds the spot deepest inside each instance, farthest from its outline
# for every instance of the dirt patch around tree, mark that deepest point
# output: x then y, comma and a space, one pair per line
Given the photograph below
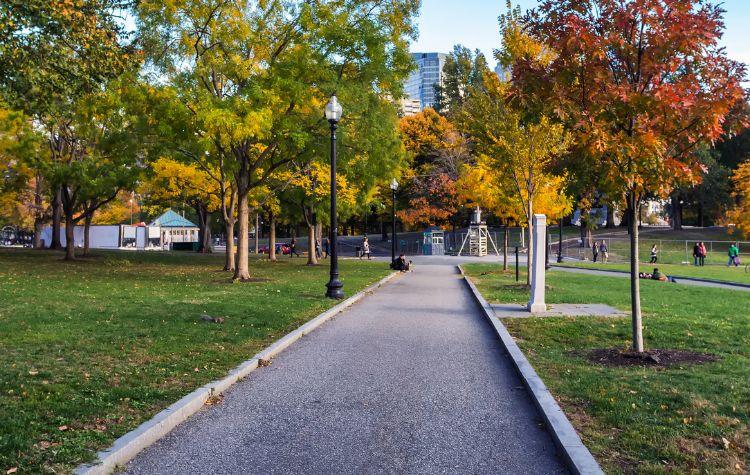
617, 357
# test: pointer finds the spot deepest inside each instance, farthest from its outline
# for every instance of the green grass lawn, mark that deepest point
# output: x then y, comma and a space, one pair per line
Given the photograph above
685, 419
712, 272
93, 348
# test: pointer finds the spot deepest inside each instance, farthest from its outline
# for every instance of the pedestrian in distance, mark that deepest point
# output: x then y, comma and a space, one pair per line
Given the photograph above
293, 248
696, 254
704, 253
365, 248
326, 246
654, 254
317, 249
595, 250
604, 251
734, 255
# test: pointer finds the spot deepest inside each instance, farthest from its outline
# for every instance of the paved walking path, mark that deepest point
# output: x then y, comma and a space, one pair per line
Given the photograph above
409, 380
678, 279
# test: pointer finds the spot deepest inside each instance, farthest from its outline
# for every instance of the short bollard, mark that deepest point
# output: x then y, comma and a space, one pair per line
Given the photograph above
516, 263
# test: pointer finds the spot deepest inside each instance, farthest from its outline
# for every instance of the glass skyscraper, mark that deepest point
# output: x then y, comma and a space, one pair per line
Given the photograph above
422, 81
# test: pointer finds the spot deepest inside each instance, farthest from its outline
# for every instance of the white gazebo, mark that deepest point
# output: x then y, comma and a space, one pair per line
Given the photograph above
175, 228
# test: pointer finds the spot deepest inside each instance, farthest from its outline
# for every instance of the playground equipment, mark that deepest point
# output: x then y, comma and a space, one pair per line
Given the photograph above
478, 237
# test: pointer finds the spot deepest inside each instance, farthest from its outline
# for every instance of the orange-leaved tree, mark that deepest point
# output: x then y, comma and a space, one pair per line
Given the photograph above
641, 83
739, 215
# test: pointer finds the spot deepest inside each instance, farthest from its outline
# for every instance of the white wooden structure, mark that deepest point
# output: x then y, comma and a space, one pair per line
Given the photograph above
478, 237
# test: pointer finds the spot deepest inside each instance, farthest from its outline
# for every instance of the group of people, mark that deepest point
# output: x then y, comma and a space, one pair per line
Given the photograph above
600, 248
699, 254
319, 253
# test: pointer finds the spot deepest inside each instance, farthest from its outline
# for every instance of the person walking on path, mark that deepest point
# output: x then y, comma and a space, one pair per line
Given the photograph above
734, 255
704, 253
326, 246
595, 250
365, 248
654, 254
604, 251
696, 254
293, 248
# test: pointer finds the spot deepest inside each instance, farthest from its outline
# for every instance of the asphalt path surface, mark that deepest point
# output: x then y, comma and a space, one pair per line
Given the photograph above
409, 380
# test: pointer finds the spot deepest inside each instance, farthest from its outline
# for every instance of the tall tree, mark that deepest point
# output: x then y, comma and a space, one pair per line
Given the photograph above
520, 147
52, 54
739, 215
463, 70
641, 83
246, 68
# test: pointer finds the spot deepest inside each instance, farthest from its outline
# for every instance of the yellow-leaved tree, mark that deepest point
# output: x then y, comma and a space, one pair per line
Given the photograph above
172, 182
739, 215
518, 152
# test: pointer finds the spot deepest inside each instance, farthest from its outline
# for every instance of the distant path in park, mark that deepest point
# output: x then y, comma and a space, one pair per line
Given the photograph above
409, 380
678, 279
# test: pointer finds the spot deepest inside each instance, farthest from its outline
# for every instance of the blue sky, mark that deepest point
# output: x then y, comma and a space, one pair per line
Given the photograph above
473, 23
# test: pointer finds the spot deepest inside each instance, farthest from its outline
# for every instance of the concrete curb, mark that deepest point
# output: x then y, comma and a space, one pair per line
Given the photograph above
672, 278
129, 445
576, 455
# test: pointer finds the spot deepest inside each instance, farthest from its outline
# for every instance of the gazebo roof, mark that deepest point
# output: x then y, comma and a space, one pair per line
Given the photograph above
170, 219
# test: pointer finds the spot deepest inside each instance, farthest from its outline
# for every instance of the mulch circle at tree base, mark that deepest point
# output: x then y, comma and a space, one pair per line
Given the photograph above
615, 357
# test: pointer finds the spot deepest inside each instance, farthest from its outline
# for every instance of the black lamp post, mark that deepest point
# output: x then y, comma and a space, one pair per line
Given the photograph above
333, 114
394, 187
560, 235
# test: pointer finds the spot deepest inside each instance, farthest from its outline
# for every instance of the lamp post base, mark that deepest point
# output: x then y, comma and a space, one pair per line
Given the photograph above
335, 289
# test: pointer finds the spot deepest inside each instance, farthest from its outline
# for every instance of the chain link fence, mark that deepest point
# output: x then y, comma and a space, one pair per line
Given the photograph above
668, 251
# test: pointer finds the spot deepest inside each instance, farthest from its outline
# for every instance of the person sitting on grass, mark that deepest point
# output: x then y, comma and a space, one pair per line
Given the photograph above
656, 275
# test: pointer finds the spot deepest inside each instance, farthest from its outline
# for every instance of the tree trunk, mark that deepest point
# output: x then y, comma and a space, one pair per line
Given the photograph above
70, 253
257, 231
676, 212
530, 253
610, 216
38, 228
272, 237
242, 271
229, 253
56, 219
312, 259
206, 236
204, 227
86, 229
635, 285
505, 247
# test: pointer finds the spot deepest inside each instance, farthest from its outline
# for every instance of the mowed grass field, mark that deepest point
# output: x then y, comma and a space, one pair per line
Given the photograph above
679, 419
91, 349
710, 272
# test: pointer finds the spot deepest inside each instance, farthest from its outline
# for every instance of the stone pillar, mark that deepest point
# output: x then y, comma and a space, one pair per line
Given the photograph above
536, 267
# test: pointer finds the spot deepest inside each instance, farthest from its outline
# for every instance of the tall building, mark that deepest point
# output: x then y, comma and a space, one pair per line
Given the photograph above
422, 81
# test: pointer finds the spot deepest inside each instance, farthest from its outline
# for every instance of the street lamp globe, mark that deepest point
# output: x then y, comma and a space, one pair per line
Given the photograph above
394, 185
333, 110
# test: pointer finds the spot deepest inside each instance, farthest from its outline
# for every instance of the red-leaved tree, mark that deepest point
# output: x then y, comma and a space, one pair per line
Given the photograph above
641, 83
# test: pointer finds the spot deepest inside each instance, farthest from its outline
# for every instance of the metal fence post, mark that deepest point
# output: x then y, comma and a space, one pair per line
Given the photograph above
516, 263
